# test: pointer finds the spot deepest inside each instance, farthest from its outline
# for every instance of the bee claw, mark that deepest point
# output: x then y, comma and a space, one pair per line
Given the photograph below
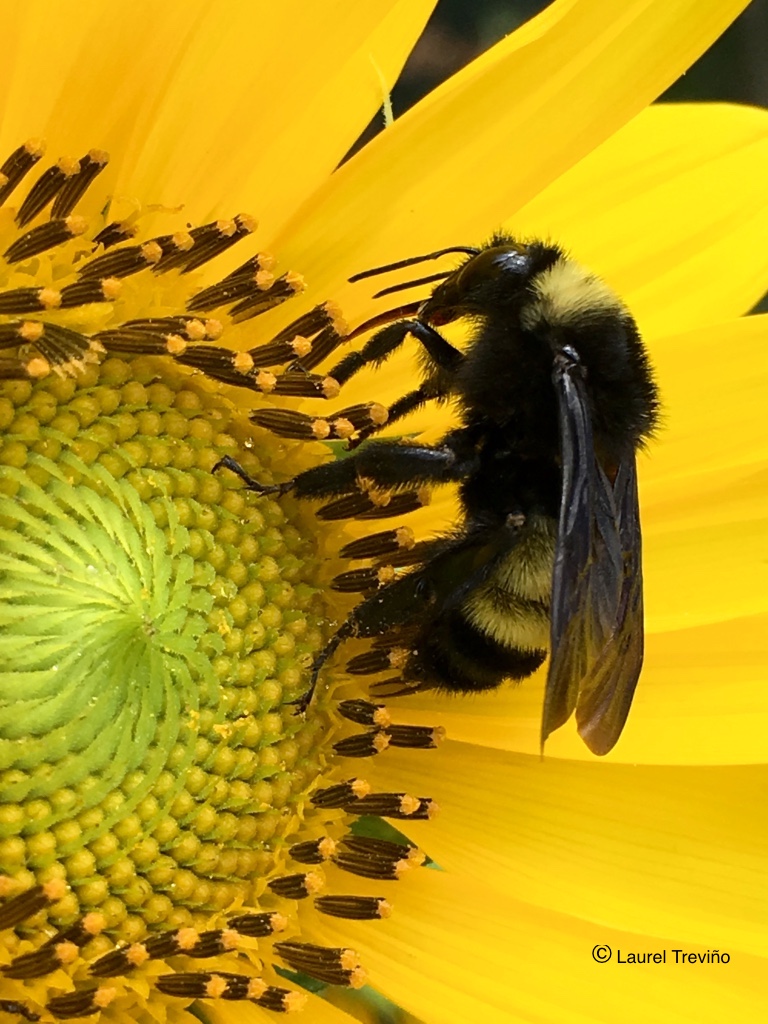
227, 462
299, 705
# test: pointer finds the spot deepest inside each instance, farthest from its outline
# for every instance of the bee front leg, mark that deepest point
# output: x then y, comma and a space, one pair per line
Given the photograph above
386, 341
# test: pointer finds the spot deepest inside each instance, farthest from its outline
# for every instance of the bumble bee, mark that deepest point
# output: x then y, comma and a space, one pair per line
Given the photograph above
554, 394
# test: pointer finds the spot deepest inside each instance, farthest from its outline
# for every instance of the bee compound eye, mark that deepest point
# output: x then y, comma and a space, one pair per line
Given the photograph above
513, 262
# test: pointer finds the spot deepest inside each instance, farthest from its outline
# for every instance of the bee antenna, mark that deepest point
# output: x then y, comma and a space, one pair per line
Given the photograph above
469, 250
412, 284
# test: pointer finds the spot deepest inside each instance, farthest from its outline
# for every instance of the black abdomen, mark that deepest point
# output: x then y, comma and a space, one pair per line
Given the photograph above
456, 656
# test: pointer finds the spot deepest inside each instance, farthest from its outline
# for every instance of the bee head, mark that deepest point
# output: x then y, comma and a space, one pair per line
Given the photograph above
496, 278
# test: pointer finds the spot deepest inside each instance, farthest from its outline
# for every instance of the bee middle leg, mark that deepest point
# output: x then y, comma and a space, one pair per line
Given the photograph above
382, 464
227, 462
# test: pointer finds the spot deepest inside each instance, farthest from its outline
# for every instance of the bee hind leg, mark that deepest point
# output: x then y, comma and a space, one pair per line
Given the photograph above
343, 633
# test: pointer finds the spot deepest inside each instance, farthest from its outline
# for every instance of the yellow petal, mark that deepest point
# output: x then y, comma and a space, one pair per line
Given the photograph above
493, 136
706, 497
672, 210
706, 573
702, 699
712, 384
470, 952
271, 133
651, 850
248, 105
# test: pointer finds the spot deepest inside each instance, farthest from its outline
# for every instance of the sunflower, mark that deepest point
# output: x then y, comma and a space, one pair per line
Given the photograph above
173, 840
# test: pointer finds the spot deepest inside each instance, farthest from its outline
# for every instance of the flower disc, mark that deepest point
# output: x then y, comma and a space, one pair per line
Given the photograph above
153, 625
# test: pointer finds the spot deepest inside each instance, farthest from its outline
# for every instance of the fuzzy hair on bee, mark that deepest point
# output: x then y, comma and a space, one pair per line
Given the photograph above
554, 395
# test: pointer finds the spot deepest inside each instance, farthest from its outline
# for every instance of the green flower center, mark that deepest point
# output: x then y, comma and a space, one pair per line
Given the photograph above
153, 625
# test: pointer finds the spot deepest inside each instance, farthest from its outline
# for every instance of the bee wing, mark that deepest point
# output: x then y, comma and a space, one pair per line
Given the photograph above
606, 694
596, 631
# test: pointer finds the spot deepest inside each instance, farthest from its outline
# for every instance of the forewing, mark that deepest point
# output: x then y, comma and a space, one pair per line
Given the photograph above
606, 692
588, 575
